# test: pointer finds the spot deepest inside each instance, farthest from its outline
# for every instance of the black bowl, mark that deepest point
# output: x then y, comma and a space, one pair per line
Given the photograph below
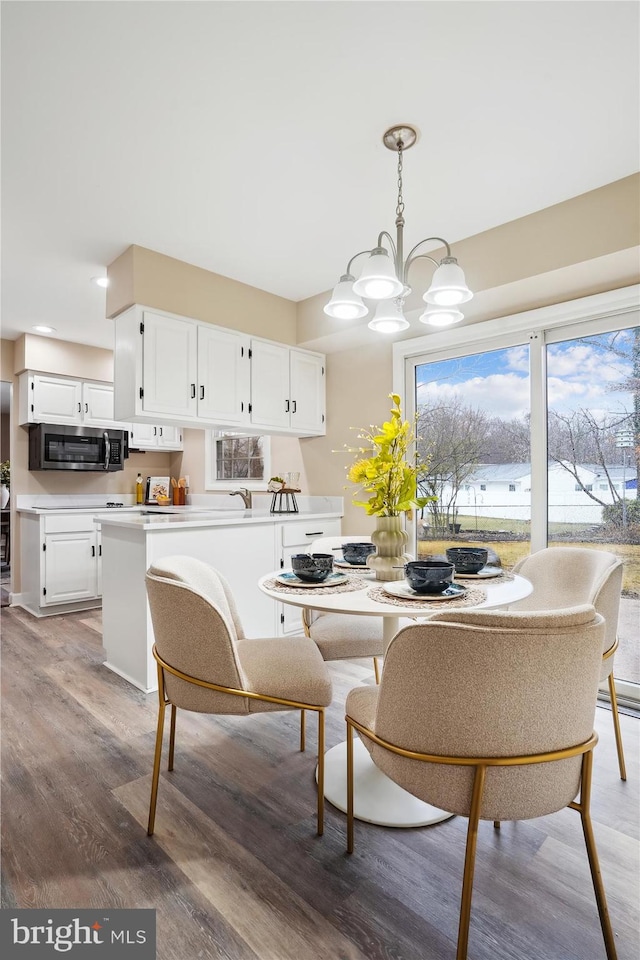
467, 559
357, 553
312, 567
429, 576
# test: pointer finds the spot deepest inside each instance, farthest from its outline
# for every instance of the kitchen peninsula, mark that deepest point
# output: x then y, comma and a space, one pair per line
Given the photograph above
242, 544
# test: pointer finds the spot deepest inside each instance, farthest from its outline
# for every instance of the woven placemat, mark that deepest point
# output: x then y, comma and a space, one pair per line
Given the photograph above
473, 597
466, 581
352, 584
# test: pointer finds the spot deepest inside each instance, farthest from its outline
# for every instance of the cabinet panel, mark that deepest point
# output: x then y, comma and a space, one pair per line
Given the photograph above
55, 400
270, 402
97, 403
169, 438
70, 568
169, 365
307, 392
223, 375
153, 436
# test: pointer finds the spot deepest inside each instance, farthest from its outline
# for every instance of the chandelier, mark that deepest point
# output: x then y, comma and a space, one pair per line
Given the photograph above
384, 275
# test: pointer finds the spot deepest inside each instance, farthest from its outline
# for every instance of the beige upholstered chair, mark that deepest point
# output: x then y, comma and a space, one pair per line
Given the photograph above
339, 636
488, 716
565, 576
205, 664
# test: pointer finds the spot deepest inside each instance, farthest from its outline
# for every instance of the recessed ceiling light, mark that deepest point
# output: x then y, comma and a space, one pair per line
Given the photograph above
101, 281
43, 328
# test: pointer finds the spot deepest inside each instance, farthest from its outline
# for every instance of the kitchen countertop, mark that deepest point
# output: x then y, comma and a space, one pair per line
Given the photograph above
163, 518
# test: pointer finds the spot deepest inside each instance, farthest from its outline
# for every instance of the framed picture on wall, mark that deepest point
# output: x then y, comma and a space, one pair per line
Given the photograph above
157, 487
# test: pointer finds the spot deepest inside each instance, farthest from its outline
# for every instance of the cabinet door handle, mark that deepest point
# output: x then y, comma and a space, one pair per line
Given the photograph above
160, 431
86, 408
295, 404
316, 533
201, 392
100, 550
286, 409
93, 551
193, 391
79, 408
155, 431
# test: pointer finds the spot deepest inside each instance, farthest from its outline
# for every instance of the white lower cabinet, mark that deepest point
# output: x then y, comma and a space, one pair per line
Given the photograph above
70, 567
61, 562
297, 536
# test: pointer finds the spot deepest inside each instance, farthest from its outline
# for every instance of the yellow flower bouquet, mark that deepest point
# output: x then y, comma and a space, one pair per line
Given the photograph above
388, 476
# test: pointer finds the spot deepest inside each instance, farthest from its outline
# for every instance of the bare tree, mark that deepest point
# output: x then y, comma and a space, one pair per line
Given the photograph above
451, 437
580, 437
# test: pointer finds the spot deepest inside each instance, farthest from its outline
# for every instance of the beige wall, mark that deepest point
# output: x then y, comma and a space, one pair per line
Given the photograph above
46, 355
154, 280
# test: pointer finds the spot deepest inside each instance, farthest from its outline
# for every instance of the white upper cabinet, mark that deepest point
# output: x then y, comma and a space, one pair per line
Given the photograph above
169, 366
154, 436
54, 400
287, 388
307, 389
63, 400
270, 403
97, 403
180, 370
223, 375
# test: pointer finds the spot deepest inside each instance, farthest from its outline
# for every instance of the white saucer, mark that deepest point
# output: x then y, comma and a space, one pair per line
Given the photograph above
400, 588
485, 574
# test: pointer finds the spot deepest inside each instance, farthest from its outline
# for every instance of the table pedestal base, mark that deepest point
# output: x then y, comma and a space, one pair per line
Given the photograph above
376, 798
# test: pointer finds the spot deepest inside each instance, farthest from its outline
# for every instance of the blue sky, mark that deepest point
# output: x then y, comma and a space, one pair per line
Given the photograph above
579, 374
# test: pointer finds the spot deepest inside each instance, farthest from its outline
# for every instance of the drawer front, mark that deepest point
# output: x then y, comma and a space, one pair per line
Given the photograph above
67, 523
302, 534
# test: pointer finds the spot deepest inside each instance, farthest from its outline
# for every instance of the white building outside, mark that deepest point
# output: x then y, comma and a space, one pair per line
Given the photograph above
504, 491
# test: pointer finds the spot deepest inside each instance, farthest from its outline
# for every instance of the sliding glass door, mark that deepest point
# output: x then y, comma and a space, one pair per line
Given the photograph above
529, 431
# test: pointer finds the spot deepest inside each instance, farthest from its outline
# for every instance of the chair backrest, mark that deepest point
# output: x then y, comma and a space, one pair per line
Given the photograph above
491, 684
565, 576
196, 626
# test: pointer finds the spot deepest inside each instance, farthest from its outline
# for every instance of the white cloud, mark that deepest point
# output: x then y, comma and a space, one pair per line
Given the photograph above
503, 395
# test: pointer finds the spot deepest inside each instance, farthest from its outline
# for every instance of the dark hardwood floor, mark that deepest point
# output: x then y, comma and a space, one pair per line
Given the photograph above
234, 869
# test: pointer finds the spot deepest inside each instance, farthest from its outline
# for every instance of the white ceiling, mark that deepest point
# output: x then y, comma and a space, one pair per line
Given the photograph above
245, 137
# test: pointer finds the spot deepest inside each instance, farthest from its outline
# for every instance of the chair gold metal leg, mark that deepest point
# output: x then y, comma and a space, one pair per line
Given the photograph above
469, 863
594, 865
157, 755
496, 824
303, 741
376, 669
320, 772
172, 736
616, 726
349, 788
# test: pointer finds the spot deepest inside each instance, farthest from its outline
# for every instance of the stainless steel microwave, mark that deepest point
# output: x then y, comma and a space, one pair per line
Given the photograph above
62, 447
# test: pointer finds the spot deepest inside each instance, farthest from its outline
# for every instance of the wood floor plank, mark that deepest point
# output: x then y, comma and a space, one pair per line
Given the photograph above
268, 915
236, 871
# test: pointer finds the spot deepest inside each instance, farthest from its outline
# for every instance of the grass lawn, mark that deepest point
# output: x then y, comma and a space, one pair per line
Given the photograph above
511, 551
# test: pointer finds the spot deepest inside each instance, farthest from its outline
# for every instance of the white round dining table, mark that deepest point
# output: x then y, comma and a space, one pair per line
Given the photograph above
377, 799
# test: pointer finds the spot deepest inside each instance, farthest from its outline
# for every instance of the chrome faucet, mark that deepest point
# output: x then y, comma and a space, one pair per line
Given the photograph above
245, 494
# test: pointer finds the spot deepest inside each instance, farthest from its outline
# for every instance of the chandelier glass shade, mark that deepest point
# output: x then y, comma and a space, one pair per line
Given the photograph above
384, 275
388, 317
